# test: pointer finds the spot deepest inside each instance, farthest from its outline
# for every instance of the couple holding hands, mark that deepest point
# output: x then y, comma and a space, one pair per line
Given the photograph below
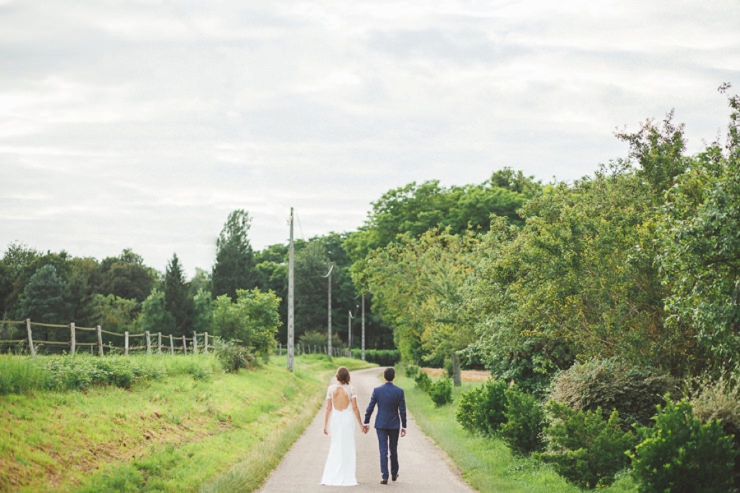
339, 423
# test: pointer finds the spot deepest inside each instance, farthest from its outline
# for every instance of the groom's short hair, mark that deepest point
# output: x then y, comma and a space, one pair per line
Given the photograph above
389, 374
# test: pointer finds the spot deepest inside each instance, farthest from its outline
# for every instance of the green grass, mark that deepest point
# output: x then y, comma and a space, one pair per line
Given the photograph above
190, 429
487, 464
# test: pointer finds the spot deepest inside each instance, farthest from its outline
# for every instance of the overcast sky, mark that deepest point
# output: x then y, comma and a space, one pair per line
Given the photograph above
142, 124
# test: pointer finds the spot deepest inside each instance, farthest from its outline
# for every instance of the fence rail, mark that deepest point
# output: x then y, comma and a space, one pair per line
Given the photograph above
184, 343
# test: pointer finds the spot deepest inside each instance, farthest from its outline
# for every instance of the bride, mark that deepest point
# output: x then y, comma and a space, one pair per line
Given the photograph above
339, 424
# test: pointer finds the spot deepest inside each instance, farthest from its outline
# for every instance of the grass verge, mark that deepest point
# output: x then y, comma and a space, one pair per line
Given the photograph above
186, 431
487, 464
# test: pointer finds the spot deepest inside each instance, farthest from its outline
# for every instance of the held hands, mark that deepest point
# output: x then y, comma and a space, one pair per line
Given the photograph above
403, 433
365, 428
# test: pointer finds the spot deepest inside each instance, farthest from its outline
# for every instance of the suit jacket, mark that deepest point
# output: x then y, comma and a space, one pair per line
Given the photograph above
391, 407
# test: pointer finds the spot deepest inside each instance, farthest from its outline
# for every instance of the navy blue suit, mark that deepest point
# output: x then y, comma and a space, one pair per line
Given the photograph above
390, 419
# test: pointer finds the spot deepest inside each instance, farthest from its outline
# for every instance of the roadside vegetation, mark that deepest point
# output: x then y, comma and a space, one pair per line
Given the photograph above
191, 427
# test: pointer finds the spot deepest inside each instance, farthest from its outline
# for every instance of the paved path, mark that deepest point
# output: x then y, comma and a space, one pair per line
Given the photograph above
424, 468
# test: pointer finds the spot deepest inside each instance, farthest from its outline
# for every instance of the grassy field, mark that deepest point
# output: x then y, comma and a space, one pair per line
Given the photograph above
487, 464
191, 431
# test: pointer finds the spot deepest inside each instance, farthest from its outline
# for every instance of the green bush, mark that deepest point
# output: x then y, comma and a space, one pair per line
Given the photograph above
233, 356
441, 392
720, 399
612, 384
481, 410
381, 357
524, 422
682, 454
312, 339
585, 448
412, 371
423, 381
449, 368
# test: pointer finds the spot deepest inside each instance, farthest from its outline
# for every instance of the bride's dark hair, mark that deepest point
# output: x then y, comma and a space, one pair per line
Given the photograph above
343, 375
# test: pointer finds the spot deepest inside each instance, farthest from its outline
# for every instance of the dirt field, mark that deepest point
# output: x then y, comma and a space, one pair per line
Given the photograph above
467, 375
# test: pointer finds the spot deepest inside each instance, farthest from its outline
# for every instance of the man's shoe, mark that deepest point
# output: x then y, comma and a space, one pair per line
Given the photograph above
394, 477
383, 481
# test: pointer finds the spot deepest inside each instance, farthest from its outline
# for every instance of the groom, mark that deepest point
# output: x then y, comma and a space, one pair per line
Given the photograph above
391, 406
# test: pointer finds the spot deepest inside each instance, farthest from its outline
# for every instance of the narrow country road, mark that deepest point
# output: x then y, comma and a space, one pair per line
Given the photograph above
424, 468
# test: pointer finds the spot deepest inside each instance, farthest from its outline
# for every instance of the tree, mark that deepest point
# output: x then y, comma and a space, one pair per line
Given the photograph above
234, 267
126, 276
700, 263
311, 264
177, 297
252, 320
114, 313
154, 316
418, 285
202, 311
42, 299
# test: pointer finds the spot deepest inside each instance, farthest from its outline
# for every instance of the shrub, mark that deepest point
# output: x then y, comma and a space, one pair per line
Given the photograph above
412, 371
233, 356
481, 410
524, 422
449, 367
720, 399
680, 454
314, 339
441, 392
585, 448
423, 381
382, 357
612, 384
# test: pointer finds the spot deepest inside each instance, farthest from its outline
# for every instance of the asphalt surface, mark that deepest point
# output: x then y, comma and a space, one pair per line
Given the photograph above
424, 467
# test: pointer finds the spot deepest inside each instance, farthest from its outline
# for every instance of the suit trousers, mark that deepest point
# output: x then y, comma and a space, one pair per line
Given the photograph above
388, 441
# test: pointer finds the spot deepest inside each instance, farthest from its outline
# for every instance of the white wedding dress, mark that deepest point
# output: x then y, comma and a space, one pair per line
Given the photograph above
341, 463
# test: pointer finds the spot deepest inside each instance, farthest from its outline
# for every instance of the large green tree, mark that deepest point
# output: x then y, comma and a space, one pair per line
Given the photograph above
234, 267
252, 320
418, 287
701, 259
126, 276
177, 297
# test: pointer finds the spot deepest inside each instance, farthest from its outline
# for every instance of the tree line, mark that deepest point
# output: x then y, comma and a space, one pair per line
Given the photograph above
638, 260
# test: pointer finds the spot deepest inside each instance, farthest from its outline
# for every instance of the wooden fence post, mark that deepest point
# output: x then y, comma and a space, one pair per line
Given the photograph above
100, 340
205, 342
72, 339
159, 343
172, 346
148, 343
30, 337
125, 343
184, 346
195, 342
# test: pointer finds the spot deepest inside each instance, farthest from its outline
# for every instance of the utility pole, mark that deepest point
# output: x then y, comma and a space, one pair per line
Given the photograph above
291, 331
363, 326
328, 275
349, 329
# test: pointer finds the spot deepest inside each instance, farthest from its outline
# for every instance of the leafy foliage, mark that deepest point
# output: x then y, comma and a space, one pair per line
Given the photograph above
423, 381
524, 422
585, 448
234, 265
613, 384
681, 454
234, 356
482, 410
251, 321
441, 392
382, 357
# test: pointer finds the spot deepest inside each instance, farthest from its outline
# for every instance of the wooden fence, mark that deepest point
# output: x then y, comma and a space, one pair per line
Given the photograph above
313, 349
163, 342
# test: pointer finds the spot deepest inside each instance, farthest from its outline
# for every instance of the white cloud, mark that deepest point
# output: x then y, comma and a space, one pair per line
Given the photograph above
143, 125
